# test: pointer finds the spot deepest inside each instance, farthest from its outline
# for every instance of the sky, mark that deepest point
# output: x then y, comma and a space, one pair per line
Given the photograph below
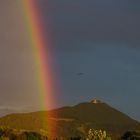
96, 49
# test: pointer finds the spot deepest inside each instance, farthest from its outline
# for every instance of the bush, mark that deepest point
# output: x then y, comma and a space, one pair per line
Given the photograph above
12, 134
131, 135
76, 138
34, 136
97, 135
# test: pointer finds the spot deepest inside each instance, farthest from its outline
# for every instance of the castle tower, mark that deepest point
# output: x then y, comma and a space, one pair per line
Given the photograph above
95, 101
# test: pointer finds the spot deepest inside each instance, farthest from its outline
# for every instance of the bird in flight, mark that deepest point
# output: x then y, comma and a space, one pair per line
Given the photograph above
80, 74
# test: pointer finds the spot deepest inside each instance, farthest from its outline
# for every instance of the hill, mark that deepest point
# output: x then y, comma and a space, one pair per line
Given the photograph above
75, 120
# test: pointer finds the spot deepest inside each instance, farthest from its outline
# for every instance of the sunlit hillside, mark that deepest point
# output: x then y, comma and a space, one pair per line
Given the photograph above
75, 120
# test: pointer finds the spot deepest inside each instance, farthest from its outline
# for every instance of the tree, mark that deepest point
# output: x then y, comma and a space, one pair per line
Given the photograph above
131, 135
97, 135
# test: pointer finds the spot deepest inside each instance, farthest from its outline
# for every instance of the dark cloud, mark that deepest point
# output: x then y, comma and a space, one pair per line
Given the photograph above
93, 20
95, 37
101, 38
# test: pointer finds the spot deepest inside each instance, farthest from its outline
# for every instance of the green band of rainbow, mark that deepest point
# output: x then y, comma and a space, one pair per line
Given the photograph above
41, 55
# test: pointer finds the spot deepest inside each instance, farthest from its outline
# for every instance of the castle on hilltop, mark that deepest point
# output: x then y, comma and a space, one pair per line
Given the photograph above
95, 101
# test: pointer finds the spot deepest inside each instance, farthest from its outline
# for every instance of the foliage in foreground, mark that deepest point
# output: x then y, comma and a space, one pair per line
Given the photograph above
12, 134
97, 135
131, 135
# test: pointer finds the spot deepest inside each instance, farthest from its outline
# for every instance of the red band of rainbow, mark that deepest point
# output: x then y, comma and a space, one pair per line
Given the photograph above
41, 54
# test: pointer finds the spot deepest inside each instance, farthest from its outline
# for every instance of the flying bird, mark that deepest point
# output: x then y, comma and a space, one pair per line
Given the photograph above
80, 74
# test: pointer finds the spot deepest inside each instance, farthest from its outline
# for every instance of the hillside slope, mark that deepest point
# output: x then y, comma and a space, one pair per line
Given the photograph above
72, 121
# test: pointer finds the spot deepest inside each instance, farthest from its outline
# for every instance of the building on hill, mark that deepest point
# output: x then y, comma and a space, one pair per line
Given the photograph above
95, 101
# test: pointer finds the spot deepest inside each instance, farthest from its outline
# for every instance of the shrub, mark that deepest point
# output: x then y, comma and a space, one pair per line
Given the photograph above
97, 135
75, 138
131, 135
12, 134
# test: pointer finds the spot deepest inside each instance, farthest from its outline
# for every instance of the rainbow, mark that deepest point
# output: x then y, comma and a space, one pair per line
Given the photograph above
42, 55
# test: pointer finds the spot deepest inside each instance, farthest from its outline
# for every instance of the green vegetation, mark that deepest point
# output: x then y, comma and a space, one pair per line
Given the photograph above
76, 138
131, 135
97, 135
12, 134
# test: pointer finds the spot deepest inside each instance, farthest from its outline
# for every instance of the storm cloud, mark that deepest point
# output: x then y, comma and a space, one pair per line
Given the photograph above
100, 38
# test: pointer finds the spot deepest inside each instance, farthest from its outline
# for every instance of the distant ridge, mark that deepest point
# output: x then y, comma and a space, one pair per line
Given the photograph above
5, 111
75, 120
